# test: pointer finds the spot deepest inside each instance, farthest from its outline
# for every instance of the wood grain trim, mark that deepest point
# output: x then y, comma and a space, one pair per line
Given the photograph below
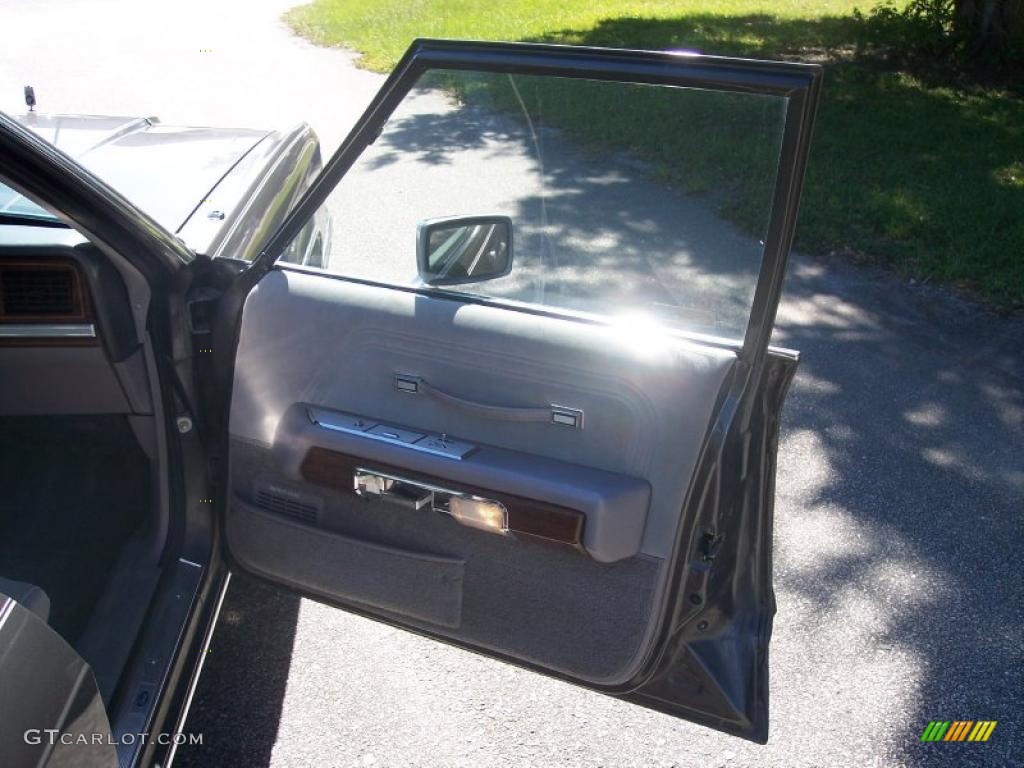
526, 517
51, 341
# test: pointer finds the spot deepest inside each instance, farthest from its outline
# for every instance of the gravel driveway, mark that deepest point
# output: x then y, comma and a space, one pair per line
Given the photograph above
900, 491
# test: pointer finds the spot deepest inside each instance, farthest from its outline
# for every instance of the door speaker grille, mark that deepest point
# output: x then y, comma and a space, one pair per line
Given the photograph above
288, 503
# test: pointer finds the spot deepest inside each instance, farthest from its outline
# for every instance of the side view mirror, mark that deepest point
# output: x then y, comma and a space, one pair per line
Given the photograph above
463, 249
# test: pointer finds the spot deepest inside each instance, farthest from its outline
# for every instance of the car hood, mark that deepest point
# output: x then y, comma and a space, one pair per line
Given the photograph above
167, 171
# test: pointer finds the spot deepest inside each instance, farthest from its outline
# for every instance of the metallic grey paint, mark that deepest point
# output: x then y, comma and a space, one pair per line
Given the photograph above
165, 170
222, 191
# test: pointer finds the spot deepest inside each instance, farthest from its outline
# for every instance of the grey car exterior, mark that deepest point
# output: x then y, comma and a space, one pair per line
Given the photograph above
219, 190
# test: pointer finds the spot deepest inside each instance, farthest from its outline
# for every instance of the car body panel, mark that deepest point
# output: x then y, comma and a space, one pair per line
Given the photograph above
166, 170
235, 219
212, 187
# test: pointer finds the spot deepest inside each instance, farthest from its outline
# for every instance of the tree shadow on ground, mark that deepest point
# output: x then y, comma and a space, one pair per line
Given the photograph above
758, 34
900, 497
903, 168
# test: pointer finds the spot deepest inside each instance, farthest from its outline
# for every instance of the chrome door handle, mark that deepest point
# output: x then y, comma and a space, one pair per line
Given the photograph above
464, 508
394, 489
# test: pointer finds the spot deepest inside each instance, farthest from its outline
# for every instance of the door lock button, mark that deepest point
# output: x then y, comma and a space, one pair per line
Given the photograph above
443, 445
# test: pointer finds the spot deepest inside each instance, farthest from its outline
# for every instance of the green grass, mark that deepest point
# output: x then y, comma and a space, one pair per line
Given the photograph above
906, 169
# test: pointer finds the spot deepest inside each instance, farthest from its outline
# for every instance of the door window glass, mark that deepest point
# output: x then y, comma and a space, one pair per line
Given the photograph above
624, 199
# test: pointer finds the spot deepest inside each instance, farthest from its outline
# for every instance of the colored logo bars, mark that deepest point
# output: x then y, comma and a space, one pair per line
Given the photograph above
958, 730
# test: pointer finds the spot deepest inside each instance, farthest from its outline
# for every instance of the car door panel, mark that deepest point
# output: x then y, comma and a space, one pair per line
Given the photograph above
620, 473
626, 470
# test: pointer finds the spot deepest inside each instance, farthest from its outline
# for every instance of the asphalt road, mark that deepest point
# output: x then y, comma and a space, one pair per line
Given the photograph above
899, 509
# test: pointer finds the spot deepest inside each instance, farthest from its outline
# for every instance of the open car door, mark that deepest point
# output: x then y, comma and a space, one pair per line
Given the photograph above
531, 409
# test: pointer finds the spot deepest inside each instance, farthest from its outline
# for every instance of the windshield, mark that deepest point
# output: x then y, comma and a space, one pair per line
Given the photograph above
17, 208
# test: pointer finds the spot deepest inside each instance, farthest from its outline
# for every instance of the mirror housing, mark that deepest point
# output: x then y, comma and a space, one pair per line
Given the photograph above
463, 249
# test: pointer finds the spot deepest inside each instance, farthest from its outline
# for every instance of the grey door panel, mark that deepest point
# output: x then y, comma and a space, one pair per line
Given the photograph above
423, 587
614, 506
542, 605
584, 612
310, 339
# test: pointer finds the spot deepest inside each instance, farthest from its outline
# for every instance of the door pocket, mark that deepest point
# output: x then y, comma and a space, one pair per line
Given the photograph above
401, 581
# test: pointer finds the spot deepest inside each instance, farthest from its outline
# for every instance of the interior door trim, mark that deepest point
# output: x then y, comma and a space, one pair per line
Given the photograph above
540, 310
562, 415
532, 518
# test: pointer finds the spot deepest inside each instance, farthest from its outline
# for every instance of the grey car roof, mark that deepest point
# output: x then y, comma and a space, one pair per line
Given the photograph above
167, 171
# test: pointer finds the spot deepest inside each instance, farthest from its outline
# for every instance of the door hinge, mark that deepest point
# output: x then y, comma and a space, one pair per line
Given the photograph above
201, 307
